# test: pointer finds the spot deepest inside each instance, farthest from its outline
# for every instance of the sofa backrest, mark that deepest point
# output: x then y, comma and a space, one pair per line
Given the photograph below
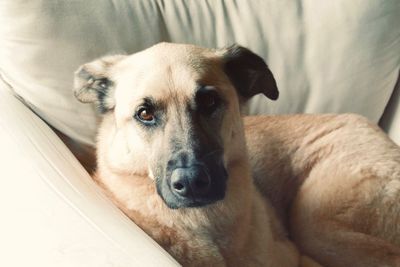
327, 56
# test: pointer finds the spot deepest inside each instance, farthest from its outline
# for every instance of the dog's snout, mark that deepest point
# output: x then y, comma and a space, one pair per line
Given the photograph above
191, 182
181, 159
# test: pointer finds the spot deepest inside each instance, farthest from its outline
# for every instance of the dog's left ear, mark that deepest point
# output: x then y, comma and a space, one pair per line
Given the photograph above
92, 82
248, 73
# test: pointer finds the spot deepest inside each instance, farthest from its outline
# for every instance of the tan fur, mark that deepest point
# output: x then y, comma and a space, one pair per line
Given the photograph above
240, 230
332, 180
336, 181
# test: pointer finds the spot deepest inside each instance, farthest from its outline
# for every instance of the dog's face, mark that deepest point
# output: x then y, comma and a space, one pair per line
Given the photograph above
172, 113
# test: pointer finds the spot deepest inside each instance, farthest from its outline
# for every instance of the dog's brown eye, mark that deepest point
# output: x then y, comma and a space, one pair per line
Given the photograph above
208, 101
145, 115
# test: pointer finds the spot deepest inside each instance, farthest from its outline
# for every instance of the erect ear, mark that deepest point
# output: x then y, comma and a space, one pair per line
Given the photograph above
92, 82
248, 73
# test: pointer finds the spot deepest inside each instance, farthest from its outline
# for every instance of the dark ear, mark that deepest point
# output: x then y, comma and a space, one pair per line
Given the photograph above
93, 84
249, 73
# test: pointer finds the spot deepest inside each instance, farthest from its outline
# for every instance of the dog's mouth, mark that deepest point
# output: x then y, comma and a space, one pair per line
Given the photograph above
179, 202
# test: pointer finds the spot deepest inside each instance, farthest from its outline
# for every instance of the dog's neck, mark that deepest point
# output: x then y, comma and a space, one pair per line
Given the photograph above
225, 223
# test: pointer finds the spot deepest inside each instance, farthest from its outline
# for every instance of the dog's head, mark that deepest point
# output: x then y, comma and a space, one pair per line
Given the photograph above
172, 113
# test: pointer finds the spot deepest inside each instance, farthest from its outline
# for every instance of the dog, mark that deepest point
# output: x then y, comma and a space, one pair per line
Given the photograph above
172, 155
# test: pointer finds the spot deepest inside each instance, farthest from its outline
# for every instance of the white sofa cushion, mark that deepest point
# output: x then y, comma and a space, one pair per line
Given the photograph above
52, 213
327, 56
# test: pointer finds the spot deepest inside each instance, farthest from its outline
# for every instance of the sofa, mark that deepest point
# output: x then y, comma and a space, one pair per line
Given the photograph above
327, 57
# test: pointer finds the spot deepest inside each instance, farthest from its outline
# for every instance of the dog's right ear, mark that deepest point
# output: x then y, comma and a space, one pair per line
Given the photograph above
92, 83
248, 73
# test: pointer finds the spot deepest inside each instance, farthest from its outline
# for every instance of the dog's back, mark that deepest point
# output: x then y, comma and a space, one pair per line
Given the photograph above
335, 182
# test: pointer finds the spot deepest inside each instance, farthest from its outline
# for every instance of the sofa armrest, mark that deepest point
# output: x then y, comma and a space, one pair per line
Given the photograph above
53, 214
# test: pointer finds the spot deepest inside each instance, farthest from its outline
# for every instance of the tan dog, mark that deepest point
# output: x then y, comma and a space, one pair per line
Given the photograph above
172, 155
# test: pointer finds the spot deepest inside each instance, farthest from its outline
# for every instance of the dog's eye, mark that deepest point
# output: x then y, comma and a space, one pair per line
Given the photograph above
146, 115
208, 101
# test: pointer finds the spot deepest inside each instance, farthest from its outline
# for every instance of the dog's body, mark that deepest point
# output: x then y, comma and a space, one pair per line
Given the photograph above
335, 182
172, 155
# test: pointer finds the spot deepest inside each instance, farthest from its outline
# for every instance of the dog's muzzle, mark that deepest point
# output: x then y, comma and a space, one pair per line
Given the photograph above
195, 184
191, 182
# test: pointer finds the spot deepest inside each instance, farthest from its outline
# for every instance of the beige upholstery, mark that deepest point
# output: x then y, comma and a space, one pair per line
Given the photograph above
327, 56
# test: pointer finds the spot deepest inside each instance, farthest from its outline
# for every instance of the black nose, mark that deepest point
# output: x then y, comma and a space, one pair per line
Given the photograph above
192, 181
